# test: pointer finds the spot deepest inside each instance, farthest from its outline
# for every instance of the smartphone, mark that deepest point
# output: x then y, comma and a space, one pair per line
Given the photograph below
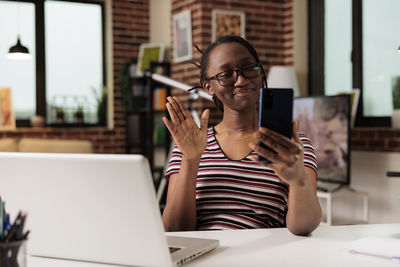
276, 112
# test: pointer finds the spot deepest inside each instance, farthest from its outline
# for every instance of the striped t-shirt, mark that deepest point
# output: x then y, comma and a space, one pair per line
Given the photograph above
238, 194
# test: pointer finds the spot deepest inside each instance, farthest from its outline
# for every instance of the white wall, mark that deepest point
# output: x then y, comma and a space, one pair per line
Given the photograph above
160, 23
368, 173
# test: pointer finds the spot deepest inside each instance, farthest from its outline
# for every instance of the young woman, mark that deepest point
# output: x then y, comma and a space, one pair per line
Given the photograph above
215, 180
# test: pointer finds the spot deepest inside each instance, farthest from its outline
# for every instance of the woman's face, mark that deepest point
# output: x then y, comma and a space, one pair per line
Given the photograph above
245, 91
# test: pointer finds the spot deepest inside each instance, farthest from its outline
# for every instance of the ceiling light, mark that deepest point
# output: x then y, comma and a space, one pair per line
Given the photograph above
18, 51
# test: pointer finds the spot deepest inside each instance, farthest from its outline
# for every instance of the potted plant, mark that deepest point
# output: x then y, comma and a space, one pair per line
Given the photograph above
125, 77
78, 114
101, 100
60, 114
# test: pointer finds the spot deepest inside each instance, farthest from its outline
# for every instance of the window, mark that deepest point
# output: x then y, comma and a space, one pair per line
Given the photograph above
19, 75
353, 44
338, 46
381, 60
67, 69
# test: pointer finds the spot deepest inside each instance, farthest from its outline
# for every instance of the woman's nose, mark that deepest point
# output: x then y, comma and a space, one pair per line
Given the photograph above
240, 80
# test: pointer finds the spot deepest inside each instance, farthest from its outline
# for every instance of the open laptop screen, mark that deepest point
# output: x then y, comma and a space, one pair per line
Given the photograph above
99, 208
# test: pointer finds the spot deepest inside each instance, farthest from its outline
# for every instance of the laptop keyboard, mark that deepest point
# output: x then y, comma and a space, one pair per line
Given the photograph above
174, 249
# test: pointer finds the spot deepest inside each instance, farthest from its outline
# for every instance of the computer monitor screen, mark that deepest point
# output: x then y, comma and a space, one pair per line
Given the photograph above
325, 120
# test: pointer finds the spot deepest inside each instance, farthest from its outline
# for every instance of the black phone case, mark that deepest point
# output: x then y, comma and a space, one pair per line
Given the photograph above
276, 112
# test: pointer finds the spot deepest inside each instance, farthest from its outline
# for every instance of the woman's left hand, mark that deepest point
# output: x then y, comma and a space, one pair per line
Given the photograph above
288, 161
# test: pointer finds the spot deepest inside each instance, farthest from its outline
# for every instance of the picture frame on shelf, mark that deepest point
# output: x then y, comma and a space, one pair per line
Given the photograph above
182, 36
227, 22
7, 117
149, 52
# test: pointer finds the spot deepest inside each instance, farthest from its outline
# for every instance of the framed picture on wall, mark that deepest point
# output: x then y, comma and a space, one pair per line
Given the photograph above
227, 22
148, 53
7, 119
182, 36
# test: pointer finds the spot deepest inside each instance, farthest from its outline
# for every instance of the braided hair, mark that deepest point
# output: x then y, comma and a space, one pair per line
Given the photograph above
204, 62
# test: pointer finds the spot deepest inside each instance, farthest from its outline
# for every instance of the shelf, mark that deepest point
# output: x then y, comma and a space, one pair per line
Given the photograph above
147, 106
160, 146
140, 110
73, 125
138, 78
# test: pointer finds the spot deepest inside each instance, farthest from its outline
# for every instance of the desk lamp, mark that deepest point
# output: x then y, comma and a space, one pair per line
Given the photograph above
283, 77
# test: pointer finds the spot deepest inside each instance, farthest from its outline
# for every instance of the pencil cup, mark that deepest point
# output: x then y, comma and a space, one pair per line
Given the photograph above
13, 254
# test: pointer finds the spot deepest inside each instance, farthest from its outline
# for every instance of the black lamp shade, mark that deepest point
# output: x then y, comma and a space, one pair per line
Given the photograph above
18, 48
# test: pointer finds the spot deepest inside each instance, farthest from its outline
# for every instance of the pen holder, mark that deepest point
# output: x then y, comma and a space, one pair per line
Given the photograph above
13, 254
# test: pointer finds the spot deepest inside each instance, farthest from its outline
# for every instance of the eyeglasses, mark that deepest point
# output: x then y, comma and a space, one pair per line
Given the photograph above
229, 77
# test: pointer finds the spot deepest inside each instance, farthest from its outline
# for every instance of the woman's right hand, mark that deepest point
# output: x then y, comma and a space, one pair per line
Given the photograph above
191, 140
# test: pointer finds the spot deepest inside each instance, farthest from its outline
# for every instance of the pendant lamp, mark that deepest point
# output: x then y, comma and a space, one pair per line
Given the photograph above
18, 51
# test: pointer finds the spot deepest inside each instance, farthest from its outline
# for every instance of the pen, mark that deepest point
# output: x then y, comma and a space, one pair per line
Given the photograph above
26, 235
14, 227
395, 259
19, 232
8, 224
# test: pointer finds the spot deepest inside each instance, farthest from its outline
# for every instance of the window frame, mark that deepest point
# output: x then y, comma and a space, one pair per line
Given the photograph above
316, 27
41, 54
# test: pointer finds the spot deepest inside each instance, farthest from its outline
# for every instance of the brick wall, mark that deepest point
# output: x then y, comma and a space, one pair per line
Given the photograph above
375, 139
130, 29
269, 28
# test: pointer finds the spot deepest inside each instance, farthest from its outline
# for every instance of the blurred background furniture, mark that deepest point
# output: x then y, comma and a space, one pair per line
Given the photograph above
326, 200
41, 145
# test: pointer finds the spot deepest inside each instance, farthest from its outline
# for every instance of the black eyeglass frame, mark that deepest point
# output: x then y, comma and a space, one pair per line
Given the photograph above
238, 72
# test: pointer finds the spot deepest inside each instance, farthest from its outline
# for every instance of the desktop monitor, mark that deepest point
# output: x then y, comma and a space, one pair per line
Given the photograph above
325, 120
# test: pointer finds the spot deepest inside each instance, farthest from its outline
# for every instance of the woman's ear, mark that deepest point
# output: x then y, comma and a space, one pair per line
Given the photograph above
207, 86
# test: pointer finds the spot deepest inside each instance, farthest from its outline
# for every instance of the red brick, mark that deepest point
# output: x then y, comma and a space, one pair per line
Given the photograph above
358, 143
386, 134
376, 143
354, 135
368, 134
394, 144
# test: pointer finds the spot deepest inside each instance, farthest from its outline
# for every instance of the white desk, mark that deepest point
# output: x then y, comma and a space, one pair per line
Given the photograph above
276, 247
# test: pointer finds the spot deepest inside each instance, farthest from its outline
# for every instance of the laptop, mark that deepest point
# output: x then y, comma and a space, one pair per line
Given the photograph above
92, 207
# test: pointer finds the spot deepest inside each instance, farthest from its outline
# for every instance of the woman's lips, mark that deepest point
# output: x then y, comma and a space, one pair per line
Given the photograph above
242, 92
